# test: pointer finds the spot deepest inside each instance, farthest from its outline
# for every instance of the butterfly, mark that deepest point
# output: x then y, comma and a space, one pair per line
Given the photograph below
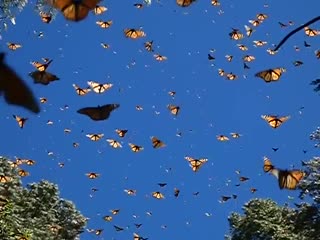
98, 113
157, 195
148, 46
104, 24
137, 237
13, 46
99, 87
74, 10
121, 132
134, 33
107, 218
242, 47
275, 121
311, 32
21, 121
41, 67
287, 179
99, 10
118, 228
195, 164
81, 91
95, 137
184, 3
135, 148
236, 34
156, 143
248, 58
215, 3
176, 192
45, 17
23, 173
130, 191
235, 135
92, 175
222, 138
159, 57
138, 5
173, 109
113, 143
15, 91
261, 16
43, 77
4, 179
270, 75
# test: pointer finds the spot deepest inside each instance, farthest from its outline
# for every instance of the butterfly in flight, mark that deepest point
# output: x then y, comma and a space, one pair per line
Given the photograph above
15, 91
98, 113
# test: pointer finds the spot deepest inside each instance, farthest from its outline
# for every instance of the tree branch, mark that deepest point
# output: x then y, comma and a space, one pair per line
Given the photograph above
296, 30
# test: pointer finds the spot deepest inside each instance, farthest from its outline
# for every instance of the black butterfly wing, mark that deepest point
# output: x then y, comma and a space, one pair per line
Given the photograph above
43, 78
15, 91
99, 113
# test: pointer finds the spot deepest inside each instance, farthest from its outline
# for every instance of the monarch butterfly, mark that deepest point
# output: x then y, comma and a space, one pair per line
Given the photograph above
249, 30
176, 192
98, 113
221, 72
138, 225
107, 218
287, 179
195, 164
248, 58
235, 135
99, 10
243, 179
95, 137
184, 3
115, 211
317, 53
41, 67
172, 93
138, 5
259, 43
229, 58
30, 162
159, 57
74, 10
43, 100
13, 46
270, 75
222, 138
105, 45
297, 63
231, 76
118, 228
43, 78
130, 191
242, 47
135, 148
157, 195
156, 143
255, 23
148, 46
261, 16
92, 175
215, 3
173, 109
275, 121
21, 121
236, 34
134, 33
99, 87
113, 143
253, 190
121, 132
311, 32
81, 91
4, 179
104, 24
45, 17
23, 173
14, 89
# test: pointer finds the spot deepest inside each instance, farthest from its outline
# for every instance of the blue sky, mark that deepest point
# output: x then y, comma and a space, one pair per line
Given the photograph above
210, 106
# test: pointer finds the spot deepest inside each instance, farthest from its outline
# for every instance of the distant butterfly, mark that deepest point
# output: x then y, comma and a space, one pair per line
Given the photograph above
95, 137
41, 67
107, 218
13, 88
184, 3
236, 34
13, 46
135, 148
173, 109
74, 10
156, 143
159, 57
195, 164
176, 192
311, 32
215, 3
287, 179
118, 228
274, 121
99, 10
21, 121
134, 33
99, 113
92, 175
23, 173
259, 43
222, 138
270, 75
113, 143
148, 46
104, 24
81, 91
45, 17
4, 179
121, 132
157, 195
261, 16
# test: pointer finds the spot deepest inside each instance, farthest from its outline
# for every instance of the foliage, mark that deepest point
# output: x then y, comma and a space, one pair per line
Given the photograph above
315, 136
265, 219
35, 212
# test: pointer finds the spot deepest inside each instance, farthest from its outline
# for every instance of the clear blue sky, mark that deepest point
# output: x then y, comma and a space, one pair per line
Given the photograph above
210, 106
